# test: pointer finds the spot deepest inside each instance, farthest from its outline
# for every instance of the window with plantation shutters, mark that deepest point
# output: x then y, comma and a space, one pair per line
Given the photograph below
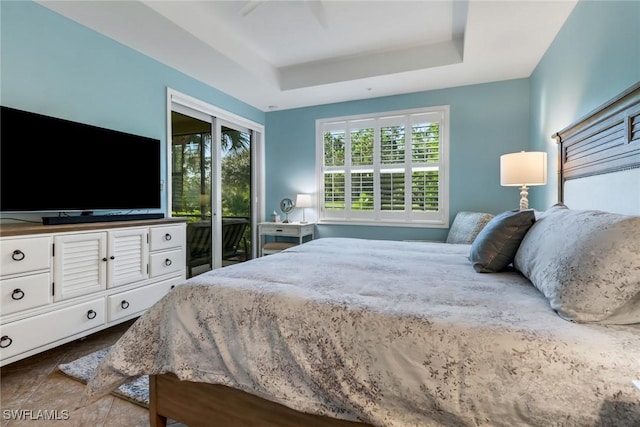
388, 168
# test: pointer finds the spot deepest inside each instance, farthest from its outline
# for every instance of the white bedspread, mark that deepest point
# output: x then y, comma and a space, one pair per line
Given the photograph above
390, 333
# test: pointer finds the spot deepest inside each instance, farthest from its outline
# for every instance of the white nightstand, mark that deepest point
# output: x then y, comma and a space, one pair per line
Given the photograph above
276, 229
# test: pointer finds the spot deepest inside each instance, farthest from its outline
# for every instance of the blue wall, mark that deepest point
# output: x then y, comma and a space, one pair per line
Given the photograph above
54, 66
594, 57
486, 121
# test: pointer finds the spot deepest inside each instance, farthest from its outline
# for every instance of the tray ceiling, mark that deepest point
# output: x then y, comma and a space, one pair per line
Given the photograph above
276, 54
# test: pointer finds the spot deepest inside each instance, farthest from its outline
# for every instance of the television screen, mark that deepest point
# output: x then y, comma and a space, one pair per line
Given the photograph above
54, 165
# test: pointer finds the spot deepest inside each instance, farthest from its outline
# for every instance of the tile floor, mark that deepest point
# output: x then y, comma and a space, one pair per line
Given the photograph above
35, 384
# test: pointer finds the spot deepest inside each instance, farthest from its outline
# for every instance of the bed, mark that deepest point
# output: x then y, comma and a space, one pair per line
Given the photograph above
351, 332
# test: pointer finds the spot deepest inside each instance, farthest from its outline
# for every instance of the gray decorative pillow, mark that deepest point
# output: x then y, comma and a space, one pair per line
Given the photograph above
498, 242
586, 263
466, 226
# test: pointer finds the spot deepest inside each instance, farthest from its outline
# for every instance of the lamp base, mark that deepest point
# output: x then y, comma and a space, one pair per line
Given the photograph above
524, 203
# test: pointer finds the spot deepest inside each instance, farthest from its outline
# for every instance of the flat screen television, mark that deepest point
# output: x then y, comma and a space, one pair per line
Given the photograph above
49, 164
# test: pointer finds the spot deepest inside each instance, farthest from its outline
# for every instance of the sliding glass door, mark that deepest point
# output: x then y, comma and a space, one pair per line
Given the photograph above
236, 194
212, 185
191, 173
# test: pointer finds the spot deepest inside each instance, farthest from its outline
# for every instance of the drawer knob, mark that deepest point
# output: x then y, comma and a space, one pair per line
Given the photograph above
5, 341
172, 286
167, 236
124, 304
167, 262
18, 255
17, 294
91, 314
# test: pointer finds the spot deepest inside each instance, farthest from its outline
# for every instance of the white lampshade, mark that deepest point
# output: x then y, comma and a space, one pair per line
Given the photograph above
303, 201
524, 168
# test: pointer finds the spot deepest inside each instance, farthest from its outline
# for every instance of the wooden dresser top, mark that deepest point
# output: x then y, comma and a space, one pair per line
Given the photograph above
21, 229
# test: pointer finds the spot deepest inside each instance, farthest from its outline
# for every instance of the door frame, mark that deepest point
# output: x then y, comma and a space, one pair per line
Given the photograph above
215, 116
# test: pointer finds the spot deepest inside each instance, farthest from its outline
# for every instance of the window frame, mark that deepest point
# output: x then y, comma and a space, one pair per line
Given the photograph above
377, 216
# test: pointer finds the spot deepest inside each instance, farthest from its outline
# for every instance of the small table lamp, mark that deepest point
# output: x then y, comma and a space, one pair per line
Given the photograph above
303, 201
522, 169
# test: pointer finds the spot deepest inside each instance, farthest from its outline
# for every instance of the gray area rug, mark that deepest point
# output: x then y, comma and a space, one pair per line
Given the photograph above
82, 369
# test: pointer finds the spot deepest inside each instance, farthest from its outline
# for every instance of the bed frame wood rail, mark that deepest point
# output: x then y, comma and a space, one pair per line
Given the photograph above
211, 405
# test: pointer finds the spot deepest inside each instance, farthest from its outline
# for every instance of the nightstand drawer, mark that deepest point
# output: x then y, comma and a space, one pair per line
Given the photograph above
275, 230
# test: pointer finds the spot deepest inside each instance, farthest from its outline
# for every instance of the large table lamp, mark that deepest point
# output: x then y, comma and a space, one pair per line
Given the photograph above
526, 168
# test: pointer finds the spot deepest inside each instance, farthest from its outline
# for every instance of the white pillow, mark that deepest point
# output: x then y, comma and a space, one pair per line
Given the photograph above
586, 263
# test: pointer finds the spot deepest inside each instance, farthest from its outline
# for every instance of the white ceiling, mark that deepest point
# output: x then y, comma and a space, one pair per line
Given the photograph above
276, 54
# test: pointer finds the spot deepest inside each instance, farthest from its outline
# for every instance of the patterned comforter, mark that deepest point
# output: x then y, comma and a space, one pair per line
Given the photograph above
389, 333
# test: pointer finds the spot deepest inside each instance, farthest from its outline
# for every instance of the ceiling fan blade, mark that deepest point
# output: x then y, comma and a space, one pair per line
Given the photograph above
250, 6
317, 8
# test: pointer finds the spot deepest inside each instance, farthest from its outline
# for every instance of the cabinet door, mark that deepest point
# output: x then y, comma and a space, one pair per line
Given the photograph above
128, 256
80, 264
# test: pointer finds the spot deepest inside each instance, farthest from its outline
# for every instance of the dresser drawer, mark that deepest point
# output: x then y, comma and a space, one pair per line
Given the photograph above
24, 255
166, 262
33, 332
24, 292
161, 238
138, 300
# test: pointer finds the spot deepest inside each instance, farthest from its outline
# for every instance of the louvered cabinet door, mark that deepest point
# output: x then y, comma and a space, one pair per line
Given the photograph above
128, 257
80, 264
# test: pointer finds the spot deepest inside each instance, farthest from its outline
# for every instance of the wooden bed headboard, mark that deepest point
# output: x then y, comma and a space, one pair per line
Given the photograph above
599, 157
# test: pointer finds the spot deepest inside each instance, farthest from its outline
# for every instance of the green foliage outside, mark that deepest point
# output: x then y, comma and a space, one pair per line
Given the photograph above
192, 175
425, 150
192, 181
236, 180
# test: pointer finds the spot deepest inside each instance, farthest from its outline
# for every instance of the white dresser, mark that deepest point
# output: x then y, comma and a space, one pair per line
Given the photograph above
62, 282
